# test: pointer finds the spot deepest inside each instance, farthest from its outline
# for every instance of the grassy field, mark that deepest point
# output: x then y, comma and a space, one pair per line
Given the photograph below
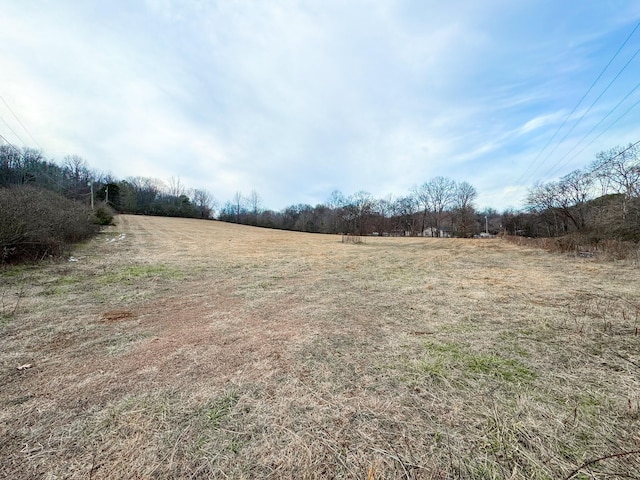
175, 348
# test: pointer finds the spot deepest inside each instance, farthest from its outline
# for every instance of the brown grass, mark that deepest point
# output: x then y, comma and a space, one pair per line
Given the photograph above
585, 246
179, 348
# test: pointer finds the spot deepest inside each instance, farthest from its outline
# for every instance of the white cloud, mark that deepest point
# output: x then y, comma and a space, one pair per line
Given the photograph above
295, 99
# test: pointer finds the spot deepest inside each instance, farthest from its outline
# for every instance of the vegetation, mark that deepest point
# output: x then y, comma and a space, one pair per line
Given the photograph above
602, 202
438, 208
591, 207
75, 180
37, 223
175, 348
598, 204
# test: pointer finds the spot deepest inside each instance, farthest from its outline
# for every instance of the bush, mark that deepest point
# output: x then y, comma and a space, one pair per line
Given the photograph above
103, 215
35, 223
583, 245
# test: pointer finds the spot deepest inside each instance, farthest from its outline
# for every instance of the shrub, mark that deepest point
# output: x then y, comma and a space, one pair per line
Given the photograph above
35, 223
103, 215
583, 245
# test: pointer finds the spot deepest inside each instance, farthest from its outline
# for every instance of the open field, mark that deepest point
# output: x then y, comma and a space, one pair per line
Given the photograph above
177, 348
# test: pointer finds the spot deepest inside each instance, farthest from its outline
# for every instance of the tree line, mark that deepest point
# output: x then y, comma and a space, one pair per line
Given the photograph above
45, 206
75, 180
601, 201
440, 207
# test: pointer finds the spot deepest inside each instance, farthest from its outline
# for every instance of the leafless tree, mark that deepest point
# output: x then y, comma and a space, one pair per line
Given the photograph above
176, 188
464, 212
336, 200
357, 212
404, 211
384, 209
204, 202
561, 203
436, 196
335, 203
575, 191
618, 169
254, 202
76, 169
238, 205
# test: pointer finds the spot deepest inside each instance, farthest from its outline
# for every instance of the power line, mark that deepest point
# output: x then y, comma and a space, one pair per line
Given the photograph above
589, 109
602, 133
21, 124
623, 151
524, 174
41, 172
10, 144
12, 130
561, 164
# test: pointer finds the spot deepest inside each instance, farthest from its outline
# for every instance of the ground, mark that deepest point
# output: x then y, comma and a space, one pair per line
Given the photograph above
179, 348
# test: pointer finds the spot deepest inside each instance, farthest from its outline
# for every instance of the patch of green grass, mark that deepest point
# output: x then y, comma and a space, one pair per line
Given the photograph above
579, 445
5, 319
61, 285
11, 271
217, 410
490, 364
129, 274
444, 359
449, 350
435, 369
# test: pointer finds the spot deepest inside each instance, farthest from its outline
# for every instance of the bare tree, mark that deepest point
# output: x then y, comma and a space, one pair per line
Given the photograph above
464, 212
563, 203
542, 200
336, 202
357, 212
254, 203
384, 209
575, 190
176, 188
336, 199
76, 169
436, 196
204, 202
619, 170
77, 176
238, 205
404, 212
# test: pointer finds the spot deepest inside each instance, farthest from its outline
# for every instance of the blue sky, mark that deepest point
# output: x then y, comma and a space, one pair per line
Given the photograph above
298, 98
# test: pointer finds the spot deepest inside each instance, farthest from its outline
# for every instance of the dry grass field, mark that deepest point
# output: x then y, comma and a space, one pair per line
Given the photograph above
176, 348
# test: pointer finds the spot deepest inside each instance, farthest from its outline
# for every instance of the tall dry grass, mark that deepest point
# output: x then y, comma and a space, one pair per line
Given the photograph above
583, 246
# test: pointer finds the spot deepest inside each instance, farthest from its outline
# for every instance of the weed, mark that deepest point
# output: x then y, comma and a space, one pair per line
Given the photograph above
218, 409
10, 297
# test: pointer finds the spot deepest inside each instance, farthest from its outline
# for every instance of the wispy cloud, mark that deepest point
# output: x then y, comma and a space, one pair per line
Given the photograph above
296, 98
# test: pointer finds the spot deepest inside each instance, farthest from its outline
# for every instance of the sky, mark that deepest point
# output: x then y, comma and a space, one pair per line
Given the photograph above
296, 99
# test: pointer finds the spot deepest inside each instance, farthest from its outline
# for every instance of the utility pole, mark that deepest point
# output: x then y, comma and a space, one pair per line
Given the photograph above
90, 184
